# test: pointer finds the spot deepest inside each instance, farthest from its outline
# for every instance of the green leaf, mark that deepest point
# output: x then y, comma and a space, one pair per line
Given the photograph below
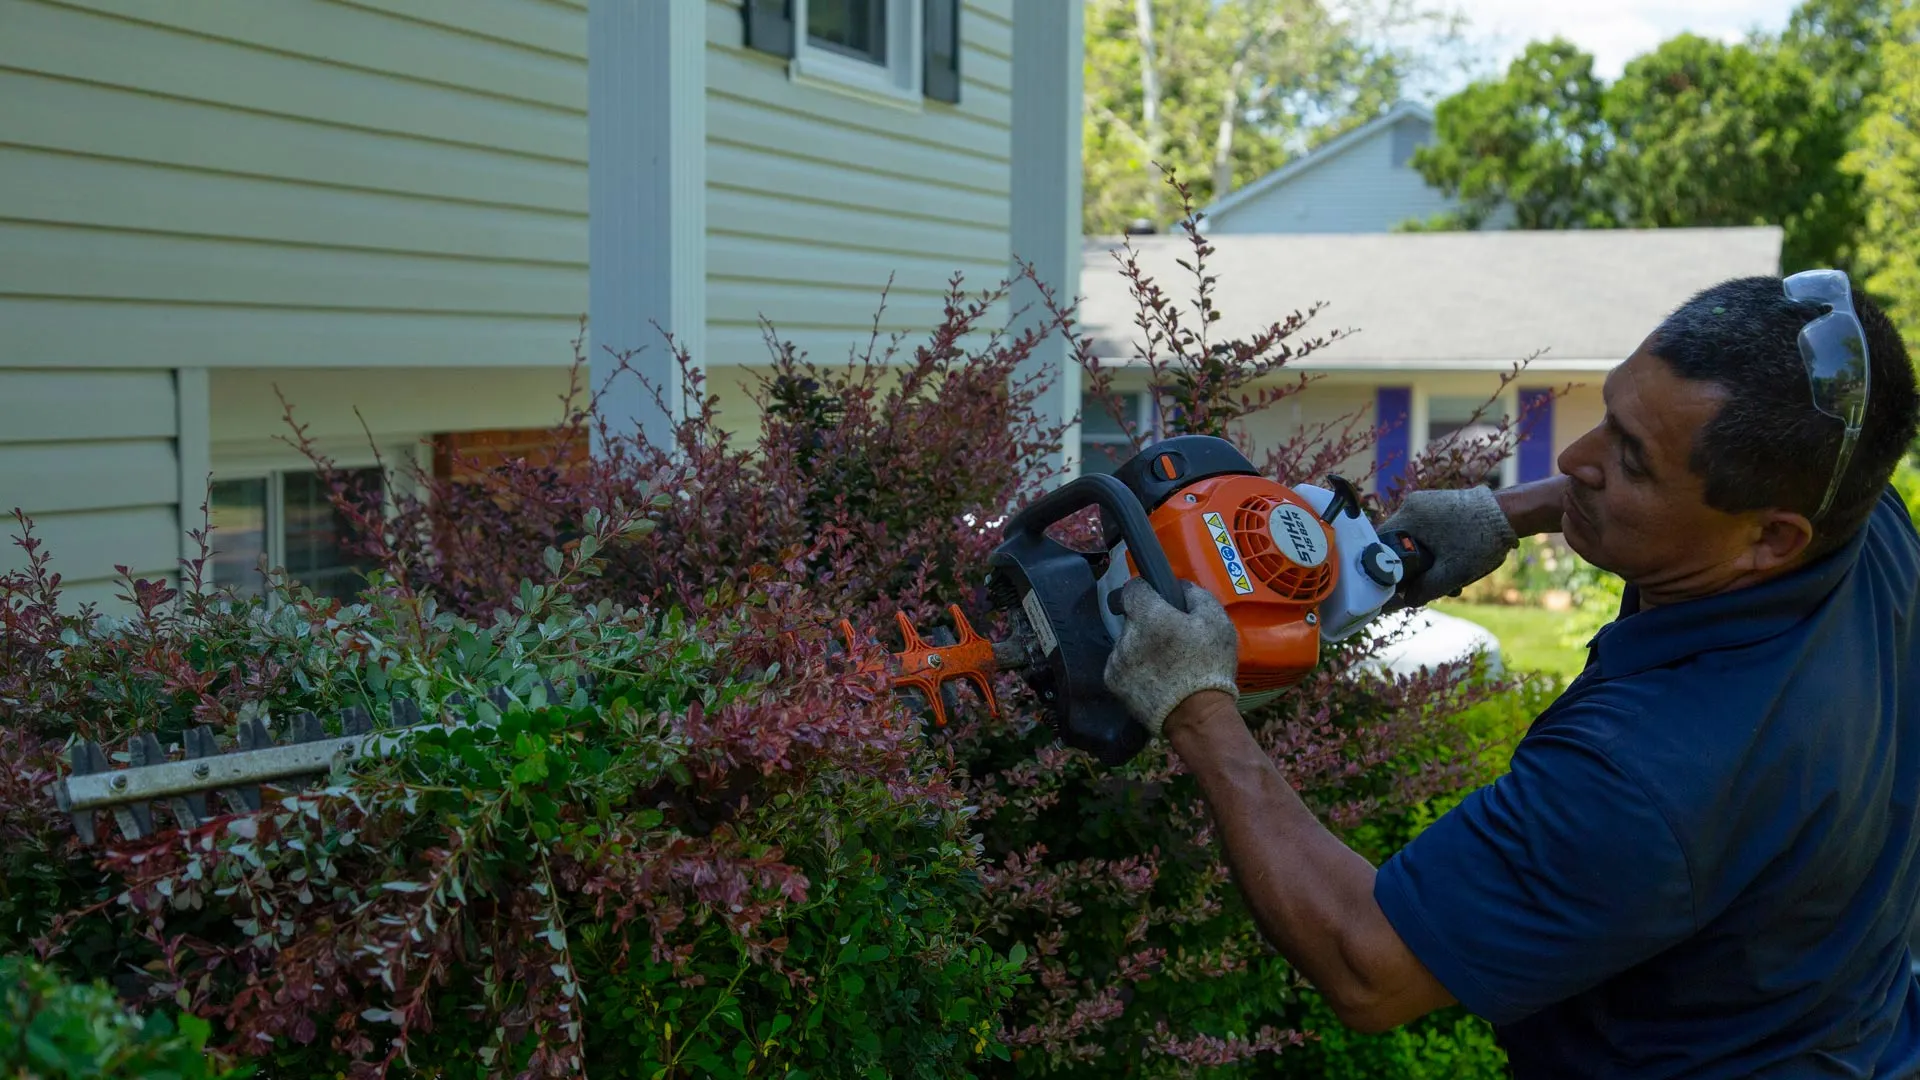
531, 771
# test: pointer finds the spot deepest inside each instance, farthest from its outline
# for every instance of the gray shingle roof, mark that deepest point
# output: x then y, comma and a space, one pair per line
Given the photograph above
1435, 300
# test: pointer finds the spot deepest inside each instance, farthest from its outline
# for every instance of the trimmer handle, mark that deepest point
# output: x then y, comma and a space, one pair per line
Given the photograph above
1415, 557
1114, 498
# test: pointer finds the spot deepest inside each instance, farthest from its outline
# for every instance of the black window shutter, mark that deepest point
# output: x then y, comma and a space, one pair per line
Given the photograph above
941, 80
769, 26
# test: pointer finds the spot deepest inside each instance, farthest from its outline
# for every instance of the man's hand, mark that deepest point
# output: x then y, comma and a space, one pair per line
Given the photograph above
1468, 532
1164, 655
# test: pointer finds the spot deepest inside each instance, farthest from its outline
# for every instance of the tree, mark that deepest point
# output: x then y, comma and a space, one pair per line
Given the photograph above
1886, 159
1694, 133
1534, 142
1838, 40
1711, 134
1225, 91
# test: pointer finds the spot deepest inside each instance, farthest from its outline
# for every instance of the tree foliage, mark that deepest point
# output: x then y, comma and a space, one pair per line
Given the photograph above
1529, 144
1886, 159
1694, 133
1225, 91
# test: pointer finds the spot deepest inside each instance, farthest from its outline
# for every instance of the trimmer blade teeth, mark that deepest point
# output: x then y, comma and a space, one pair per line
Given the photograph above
253, 736
406, 713
305, 727
85, 758
198, 742
501, 697
146, 750
553, 692
136, 819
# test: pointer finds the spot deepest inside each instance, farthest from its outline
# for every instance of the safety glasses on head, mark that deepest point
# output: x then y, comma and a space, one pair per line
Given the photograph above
1834, 347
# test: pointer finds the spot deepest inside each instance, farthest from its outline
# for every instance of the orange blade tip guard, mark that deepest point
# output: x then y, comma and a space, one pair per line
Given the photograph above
926, 668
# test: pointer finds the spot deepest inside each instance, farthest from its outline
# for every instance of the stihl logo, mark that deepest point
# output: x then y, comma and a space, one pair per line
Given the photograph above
1298, 536
1298, 533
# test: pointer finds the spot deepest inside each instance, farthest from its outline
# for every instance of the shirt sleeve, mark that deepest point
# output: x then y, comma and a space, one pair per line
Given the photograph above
1556, 876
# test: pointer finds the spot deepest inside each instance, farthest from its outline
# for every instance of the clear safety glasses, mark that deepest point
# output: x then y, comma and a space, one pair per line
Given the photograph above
1834, 347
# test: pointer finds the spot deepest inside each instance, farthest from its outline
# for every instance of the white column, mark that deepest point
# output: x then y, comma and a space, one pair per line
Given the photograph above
1048, 49
193, 453
646, 202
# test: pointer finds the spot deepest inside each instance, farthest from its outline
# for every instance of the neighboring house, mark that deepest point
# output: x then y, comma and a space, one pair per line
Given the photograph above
380, 209
1362, 181
1436, 318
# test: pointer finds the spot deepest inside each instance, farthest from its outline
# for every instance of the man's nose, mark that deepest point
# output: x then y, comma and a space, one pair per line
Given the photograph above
1578, 462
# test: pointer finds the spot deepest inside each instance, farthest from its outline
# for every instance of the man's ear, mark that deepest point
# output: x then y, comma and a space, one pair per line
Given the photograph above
1784, 537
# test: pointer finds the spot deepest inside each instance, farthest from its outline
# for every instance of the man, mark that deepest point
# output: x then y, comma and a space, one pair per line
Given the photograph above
1706, 856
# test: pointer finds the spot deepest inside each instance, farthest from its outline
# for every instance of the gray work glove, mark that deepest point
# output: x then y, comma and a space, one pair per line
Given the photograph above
1164, 655
1467, 532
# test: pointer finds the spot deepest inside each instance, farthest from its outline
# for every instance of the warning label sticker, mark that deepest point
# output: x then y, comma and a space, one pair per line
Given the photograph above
1042, 627
1229, 555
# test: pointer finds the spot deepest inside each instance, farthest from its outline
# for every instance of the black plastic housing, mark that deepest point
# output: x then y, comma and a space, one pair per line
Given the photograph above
1073, 643
1194, 457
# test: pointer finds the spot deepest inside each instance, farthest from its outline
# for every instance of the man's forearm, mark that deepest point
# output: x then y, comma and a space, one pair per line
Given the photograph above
1311, 895
1534, 507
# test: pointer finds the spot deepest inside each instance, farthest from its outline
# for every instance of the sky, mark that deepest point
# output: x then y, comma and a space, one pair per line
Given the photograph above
1613, 31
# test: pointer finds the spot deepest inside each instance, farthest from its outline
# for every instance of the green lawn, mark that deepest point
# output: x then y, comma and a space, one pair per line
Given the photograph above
1529, 636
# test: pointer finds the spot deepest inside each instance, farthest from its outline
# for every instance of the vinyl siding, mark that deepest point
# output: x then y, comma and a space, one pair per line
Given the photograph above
91, 457
1357, 190
816, 198
1319, 404
237, 183
391, 183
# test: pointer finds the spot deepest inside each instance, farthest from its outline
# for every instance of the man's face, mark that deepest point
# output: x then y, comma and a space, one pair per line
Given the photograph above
1637, 508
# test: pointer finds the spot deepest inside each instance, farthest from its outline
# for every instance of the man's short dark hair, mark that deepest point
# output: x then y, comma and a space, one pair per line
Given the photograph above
1769, 446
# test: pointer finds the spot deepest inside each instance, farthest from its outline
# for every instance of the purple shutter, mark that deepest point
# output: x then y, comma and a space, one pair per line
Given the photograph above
1536, 435
1393, 408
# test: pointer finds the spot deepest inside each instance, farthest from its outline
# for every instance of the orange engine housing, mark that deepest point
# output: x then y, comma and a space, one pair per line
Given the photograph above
1270, 574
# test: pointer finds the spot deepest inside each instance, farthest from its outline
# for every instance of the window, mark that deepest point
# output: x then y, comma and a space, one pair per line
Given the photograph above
1104, 445
286, 519
900, 52
1451, 419
856, 28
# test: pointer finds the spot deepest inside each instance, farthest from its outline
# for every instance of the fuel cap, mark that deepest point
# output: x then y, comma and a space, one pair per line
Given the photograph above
1380, 563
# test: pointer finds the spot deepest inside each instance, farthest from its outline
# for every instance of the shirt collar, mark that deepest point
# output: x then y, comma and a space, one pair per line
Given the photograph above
1640, 640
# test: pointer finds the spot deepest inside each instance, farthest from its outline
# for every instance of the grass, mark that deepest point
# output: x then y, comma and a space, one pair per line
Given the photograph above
1529, 636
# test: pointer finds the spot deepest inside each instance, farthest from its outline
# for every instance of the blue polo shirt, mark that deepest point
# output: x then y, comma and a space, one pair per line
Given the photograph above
1705, 861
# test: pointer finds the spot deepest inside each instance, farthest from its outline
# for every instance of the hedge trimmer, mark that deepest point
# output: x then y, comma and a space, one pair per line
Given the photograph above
1293, 566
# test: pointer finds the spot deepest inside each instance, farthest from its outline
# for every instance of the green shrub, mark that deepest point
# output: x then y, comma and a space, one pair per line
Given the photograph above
727, 854
52, 1028
1449, 1044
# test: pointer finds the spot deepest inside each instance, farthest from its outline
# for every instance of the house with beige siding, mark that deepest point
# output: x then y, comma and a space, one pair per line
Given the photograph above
394, 215
1432, 322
